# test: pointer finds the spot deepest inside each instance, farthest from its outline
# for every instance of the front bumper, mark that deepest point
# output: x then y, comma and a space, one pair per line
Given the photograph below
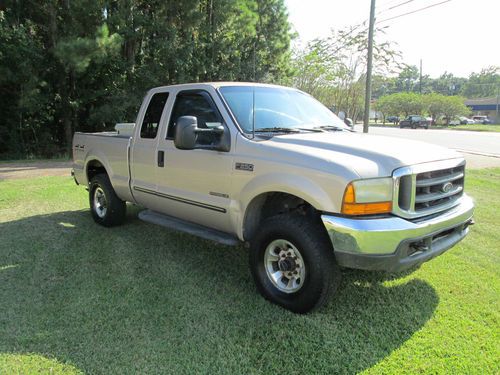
393, 243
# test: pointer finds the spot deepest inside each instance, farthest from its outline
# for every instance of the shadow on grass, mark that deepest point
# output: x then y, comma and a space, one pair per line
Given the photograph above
142, 299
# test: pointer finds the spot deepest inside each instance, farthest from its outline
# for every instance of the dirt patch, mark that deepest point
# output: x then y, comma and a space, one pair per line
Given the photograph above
34, 169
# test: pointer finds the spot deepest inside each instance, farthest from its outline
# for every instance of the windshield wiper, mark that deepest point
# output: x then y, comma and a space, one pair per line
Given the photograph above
331, 127
277, 129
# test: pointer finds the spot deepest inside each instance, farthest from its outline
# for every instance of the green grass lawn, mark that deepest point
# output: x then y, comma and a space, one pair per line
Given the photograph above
79, 298
477, 127
472, 127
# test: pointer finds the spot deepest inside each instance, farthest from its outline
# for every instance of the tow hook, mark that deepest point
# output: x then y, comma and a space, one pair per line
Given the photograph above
420, 246
470, 222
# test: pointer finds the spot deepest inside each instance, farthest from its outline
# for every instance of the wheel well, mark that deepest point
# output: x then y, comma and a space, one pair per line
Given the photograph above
274, 203
94, 167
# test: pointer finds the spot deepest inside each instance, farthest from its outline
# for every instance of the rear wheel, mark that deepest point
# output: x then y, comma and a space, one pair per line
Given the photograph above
106, 208
292, 263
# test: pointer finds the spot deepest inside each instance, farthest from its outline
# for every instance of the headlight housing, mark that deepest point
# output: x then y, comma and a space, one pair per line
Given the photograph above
368, 197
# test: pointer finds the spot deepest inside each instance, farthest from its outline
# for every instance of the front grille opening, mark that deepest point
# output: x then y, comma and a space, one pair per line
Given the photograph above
405, 191
438, 188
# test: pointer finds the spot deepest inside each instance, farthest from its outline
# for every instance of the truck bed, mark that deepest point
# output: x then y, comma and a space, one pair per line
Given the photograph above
108, 148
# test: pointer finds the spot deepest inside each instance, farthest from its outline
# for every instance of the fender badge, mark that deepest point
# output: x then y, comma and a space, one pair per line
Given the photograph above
244, 167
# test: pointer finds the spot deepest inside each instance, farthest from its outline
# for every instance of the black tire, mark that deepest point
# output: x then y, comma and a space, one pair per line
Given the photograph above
322, 276
115, 207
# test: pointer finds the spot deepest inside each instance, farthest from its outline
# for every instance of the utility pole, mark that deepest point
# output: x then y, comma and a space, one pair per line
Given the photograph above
498, 100
420, 82
368, 90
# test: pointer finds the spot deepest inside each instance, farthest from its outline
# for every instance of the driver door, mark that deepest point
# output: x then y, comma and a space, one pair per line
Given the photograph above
195, 184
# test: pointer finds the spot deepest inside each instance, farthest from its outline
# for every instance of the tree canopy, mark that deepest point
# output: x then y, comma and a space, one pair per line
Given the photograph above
410, 103
81, 65
84, 65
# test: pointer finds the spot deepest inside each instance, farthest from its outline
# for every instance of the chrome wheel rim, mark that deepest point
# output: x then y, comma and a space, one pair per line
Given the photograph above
284, 266
100, 202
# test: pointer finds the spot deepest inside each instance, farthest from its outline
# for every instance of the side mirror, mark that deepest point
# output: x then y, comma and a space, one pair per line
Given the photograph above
185, 133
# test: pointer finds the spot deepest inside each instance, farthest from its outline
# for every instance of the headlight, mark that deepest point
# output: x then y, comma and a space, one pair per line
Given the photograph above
365, 197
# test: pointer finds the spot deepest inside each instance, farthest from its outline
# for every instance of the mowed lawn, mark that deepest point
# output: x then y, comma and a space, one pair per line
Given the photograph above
472, 127
79, 298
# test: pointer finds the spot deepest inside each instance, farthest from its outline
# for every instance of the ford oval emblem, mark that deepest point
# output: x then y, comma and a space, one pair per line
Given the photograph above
446, 188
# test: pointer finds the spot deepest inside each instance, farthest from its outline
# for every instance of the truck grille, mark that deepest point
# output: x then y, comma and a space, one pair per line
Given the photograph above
429, 188
437, 188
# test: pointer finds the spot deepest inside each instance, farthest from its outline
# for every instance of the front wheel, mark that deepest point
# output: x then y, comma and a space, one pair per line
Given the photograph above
292, 263
106, 208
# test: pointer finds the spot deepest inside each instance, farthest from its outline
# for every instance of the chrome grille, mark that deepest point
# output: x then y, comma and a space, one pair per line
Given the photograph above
428, 188
436, 188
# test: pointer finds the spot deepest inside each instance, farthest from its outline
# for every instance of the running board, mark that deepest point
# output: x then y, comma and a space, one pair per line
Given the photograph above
187, 227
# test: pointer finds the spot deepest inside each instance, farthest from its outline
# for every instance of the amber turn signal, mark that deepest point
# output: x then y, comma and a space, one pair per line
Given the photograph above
350, 207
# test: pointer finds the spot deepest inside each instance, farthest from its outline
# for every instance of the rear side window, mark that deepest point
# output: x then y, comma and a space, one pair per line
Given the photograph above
151, 122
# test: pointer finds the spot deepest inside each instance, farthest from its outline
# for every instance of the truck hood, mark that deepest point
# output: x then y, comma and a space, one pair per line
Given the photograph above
368, 155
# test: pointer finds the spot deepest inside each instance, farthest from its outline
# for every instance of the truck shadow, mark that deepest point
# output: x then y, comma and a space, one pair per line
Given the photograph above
142, 299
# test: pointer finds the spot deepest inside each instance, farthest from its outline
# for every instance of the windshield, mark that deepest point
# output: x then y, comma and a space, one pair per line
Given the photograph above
275, 107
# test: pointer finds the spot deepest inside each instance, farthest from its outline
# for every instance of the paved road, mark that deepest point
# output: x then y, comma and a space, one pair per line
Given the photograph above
481, 149
477, 142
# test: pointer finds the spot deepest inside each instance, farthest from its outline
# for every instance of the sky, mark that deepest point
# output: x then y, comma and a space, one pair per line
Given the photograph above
460, 36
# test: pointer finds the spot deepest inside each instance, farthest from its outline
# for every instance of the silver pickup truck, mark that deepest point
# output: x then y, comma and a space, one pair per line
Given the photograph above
271, 167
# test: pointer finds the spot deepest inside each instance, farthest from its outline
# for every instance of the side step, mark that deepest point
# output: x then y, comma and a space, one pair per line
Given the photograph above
187, 227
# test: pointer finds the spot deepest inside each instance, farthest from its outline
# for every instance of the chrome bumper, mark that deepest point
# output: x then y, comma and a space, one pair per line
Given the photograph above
393, 243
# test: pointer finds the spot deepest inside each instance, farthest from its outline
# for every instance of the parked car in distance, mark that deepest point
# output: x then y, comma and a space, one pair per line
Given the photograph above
481, 120
415, 121
465, 121
454, 121
348, 121
393, 119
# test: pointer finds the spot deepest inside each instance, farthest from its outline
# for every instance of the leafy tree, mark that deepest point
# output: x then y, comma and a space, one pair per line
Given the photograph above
435, 105
453, 106
333, 69
407, 79
447, 84
84, 65
387, 105
483, 84
408, 103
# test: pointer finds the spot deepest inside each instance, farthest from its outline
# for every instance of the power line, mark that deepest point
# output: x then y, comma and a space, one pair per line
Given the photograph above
413, 11
393, 7
401, 4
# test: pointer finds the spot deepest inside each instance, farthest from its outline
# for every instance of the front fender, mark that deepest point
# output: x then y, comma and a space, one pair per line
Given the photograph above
299, 186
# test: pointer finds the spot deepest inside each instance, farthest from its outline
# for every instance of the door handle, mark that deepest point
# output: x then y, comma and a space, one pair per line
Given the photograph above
161, 159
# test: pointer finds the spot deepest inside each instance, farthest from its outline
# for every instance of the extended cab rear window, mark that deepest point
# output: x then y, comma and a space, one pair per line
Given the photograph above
151, 122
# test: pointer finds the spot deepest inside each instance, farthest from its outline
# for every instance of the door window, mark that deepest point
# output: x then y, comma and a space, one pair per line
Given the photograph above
197, 104
151, 122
